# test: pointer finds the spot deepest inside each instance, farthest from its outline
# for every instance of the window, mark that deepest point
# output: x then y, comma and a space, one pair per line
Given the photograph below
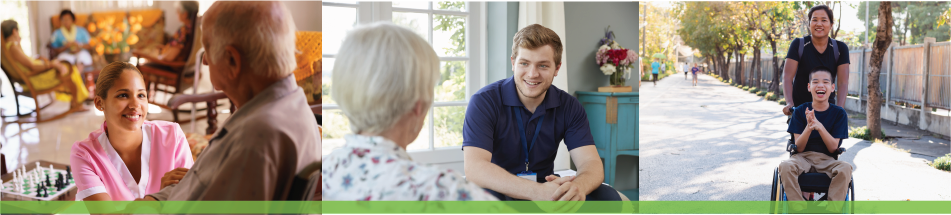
92, 6
19, 12
450, 27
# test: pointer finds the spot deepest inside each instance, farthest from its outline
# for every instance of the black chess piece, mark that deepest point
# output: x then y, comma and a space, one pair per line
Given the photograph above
46, 192
59, 184
69, 174
38, 194
48, 181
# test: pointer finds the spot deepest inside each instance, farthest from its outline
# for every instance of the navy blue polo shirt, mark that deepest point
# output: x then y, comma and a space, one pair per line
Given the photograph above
490, 124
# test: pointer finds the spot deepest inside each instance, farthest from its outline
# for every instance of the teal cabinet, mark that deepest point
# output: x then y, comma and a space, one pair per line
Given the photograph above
613, 120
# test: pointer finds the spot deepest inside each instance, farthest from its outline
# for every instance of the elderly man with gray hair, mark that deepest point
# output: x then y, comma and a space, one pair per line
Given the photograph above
273, 134
384, 80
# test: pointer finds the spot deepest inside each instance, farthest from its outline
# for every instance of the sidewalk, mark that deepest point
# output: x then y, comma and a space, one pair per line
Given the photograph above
918, 143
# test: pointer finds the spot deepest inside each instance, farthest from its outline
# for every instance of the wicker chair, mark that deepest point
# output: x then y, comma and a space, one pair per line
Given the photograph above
27, 89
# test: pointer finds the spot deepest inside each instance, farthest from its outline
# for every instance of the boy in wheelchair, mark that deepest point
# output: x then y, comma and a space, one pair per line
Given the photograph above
817, 129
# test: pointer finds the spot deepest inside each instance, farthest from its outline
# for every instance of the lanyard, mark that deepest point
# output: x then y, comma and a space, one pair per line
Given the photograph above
521, 133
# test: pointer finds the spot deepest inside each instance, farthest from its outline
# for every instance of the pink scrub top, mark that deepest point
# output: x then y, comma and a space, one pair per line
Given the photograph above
97, 167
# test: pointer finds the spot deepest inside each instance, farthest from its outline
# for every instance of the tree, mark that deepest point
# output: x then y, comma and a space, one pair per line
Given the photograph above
883, 38
779, 19
452, 86
912, 21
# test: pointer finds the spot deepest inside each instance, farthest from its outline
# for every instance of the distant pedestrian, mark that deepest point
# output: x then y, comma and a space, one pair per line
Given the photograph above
695, 70
654, 71
686, 68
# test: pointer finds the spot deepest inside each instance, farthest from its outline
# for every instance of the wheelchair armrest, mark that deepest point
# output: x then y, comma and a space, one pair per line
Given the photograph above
791, 148
840, 151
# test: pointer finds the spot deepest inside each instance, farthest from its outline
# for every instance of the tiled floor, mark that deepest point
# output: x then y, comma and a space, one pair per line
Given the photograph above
23, 143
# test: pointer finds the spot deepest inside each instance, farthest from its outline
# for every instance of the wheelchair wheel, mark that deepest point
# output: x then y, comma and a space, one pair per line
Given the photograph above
773, 191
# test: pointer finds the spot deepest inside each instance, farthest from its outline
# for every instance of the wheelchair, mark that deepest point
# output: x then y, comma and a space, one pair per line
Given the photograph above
813, 182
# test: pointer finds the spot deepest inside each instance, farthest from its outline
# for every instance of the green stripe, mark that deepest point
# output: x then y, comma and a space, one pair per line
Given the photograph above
646, 207
478, 207
167, 207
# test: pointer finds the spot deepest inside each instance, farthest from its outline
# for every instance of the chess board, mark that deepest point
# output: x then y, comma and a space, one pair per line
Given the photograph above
29, 186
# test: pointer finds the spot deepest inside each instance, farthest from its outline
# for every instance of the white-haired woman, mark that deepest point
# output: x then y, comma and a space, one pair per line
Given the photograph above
384, 77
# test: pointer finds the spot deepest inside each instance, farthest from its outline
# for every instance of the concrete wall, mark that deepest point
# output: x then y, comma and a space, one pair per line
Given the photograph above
307, 17
933, 123
584, 27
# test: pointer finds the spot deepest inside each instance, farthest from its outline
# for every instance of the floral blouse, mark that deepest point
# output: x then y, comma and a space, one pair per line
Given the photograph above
183, 39
373, 168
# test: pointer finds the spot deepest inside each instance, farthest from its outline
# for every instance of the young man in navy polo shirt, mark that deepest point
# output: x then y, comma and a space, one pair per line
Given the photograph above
513, 127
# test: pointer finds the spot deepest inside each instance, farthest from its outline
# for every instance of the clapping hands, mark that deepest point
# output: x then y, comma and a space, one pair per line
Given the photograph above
813, 124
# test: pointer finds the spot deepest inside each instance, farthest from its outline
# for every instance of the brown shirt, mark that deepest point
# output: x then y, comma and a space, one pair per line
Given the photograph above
258, 151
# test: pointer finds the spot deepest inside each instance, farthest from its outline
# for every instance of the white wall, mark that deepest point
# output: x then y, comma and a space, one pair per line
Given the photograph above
307, 17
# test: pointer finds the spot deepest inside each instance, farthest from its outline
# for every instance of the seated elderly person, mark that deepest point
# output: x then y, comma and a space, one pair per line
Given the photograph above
384, 80
273, 134
42, 73
179, 47
71, 41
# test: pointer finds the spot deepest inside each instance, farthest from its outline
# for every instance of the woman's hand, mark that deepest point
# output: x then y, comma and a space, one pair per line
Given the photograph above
172, 177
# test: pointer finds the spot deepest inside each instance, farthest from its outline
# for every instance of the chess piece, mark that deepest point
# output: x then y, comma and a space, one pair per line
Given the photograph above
46, 192
48, 181
38, 194
69, 174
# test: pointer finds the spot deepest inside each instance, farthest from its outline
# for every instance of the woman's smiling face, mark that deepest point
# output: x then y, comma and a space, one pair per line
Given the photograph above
820, 23
126, 104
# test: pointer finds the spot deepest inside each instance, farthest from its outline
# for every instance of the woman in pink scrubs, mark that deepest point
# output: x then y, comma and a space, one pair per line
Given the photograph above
127, 157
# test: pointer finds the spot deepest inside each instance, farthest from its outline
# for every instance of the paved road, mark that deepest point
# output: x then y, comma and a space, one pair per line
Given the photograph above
717, 142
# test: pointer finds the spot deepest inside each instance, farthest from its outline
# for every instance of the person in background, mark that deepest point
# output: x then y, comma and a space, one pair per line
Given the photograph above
128, 156
695, 70
43, 74
71, 41
686, 68
179, 47
272, 136
655, 67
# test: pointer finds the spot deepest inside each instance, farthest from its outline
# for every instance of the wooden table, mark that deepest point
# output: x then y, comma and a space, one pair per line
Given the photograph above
70, 194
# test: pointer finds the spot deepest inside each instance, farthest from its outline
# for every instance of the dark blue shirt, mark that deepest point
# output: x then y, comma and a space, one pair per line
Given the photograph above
490, 124
834, 119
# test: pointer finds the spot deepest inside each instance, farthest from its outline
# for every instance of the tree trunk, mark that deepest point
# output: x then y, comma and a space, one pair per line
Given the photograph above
883, 37
777, 71
740, 77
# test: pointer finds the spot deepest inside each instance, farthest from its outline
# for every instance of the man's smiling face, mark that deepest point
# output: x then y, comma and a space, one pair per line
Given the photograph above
820, 85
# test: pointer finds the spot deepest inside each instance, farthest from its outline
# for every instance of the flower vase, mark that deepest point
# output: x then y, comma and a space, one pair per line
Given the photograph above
617, 79
616, 83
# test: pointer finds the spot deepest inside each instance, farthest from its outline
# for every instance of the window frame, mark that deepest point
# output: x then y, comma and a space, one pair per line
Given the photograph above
369, 12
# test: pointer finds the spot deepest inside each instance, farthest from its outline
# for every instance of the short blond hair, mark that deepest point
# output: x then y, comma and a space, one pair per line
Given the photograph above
264, 33
535, 36
381, 71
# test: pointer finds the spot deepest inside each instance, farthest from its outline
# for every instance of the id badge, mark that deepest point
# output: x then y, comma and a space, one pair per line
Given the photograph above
528, 175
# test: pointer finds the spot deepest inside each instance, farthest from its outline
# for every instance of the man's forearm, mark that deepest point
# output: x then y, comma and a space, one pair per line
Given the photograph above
590, 176
803, 140
830, 141
493, 177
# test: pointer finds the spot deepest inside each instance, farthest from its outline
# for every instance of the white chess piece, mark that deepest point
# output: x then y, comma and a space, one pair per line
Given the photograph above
51, 168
